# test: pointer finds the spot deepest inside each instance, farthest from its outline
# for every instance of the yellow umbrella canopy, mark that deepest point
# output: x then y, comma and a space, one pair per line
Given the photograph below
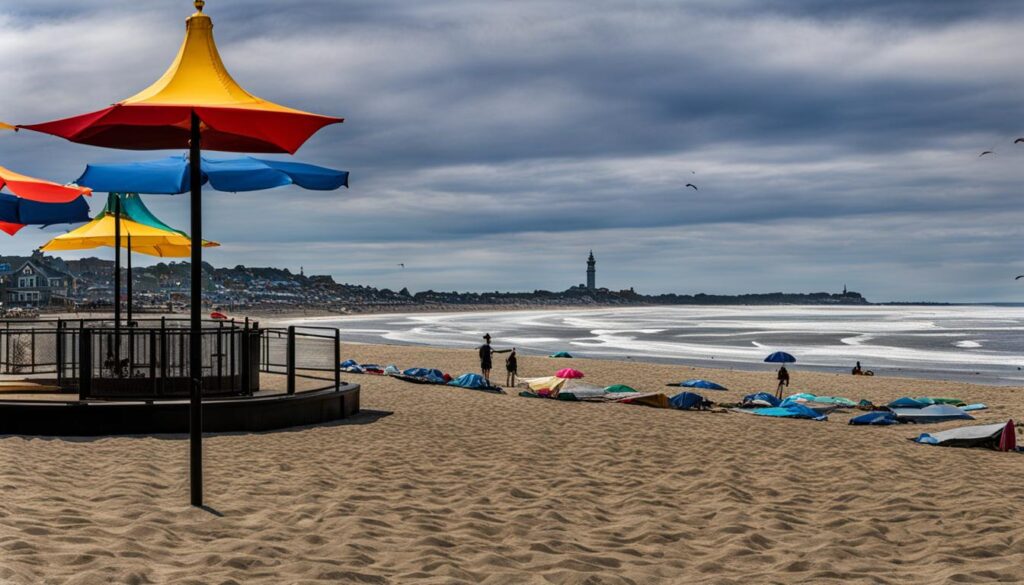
145, 239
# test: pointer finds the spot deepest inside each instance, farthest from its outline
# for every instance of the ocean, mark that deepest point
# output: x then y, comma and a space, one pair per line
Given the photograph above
979, 344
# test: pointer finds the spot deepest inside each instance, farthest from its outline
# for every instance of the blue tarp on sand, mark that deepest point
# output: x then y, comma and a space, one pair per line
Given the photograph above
686, 401
764, 396
791, 411
473, 382
702, 384
931, 414
907, 402
880, 417
426, 374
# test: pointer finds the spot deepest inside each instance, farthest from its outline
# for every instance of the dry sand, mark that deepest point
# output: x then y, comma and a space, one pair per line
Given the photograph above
456, 486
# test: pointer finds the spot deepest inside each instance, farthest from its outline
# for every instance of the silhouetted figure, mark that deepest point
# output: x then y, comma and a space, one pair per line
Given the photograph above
486, 352
783, 381
511, 368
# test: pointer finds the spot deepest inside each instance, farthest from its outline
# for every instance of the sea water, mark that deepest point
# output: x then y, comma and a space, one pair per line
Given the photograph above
983, 344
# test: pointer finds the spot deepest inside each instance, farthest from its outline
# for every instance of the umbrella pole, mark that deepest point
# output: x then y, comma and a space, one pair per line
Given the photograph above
195, 348
128, 283
117, 284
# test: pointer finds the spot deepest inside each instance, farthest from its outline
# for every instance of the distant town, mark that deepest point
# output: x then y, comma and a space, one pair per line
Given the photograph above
41, 282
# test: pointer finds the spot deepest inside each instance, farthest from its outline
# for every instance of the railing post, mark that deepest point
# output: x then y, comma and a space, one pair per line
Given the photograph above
60, 350
244, 358
84, 364
152, 361
337, 359
32, 336
163, 355
290, 359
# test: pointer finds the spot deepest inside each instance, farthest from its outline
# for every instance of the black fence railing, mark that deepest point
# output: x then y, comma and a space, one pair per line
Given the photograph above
149, 358
302, 352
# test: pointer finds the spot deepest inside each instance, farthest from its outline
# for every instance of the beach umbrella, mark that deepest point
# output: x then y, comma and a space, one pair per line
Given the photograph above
137, 231
569, 373
703, 384
780, 357
172, 175
17, 212
39, 190
196, 105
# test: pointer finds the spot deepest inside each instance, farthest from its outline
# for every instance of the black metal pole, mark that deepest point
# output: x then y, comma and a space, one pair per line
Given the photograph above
195, 340
128, 282
117, 283
128, 252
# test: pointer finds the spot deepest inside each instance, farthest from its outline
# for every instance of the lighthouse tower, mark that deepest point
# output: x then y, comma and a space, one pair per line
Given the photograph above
591, 272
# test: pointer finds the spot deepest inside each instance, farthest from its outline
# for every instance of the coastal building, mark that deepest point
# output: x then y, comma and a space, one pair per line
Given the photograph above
591, 272
34, 284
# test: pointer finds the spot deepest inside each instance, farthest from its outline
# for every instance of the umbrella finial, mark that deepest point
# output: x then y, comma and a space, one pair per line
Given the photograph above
199, 5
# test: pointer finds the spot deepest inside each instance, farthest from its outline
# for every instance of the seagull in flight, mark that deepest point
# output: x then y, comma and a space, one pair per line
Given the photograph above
1019, 277
692, 185
1018, 141
986, 152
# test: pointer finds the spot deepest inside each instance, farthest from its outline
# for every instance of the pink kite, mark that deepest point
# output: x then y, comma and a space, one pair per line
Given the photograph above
1008, 440
569, 373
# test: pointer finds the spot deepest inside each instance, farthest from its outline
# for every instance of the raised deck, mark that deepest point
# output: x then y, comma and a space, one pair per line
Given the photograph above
27, 416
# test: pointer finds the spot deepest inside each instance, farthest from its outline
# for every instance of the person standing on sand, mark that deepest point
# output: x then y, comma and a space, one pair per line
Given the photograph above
783, 381
486, 351
511, 368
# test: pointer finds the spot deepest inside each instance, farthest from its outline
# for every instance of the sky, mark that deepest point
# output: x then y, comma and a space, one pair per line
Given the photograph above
491, 145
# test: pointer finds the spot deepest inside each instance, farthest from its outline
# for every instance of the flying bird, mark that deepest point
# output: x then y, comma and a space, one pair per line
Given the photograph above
1018, 141
1019, 277
692, 185
985, 152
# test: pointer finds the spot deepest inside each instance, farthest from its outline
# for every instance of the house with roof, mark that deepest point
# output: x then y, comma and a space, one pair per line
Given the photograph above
34, 284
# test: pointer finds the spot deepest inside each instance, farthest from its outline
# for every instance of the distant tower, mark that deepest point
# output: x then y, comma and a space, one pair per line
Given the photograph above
844, 290
591, 272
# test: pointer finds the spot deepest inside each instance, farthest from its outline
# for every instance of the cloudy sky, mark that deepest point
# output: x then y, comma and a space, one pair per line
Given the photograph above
492, 144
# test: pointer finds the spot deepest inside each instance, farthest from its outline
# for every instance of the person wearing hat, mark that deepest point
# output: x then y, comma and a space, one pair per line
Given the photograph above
486, 351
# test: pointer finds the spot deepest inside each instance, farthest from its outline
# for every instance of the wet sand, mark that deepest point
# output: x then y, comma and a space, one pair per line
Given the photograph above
442, 485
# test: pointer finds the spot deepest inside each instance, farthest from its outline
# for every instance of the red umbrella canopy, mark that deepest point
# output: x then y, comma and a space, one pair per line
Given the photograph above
159, 116
39, 190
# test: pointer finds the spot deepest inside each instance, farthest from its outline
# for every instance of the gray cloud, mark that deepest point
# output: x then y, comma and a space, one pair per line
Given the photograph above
493, 144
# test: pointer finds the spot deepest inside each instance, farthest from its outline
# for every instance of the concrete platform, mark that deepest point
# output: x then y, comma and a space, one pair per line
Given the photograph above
59, 417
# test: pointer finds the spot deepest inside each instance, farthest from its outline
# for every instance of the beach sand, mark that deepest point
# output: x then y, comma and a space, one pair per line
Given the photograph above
456, 486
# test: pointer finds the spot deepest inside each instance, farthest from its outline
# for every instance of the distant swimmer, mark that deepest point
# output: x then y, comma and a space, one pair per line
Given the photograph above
402, 265
692, 185
986, 152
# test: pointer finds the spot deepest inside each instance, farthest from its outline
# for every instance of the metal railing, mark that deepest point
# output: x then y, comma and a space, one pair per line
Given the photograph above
149, 357
302, 352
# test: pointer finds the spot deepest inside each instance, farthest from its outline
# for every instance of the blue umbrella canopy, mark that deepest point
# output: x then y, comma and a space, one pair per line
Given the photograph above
703, 384
780, 357
171, 176
17, 210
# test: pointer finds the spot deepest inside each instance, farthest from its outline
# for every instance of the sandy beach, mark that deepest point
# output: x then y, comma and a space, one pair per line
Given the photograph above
442, 485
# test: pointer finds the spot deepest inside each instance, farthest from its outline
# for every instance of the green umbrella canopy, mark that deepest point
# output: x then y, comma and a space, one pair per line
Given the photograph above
132, 208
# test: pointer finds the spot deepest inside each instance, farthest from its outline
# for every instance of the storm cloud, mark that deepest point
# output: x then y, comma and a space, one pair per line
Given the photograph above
493, 144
